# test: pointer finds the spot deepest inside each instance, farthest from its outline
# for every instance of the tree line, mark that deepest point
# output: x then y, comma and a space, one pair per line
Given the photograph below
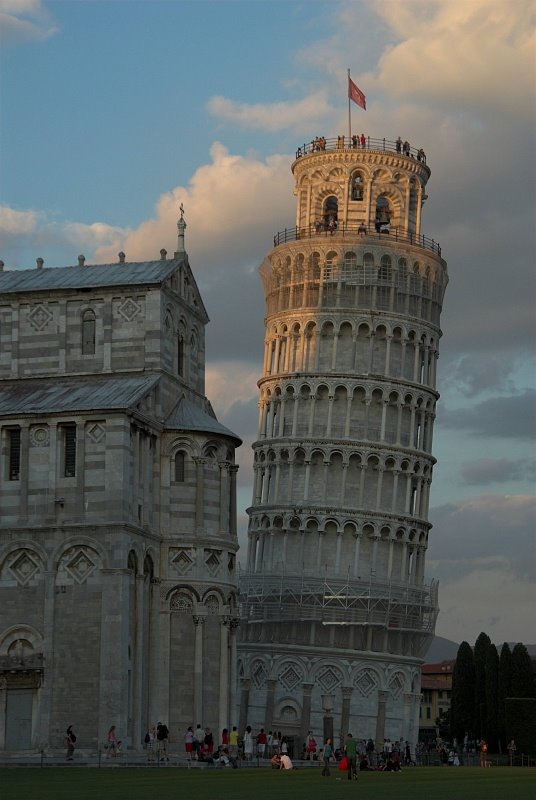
493, 696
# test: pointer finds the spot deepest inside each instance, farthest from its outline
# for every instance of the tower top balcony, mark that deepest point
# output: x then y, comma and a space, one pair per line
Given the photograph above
362, 185
361, 143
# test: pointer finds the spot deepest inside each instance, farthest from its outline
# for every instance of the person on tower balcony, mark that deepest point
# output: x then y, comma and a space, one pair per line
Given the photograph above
363, 141
398, 145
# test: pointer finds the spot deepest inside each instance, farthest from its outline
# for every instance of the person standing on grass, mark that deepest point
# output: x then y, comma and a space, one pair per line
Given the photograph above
248, 744
111, 743
350, 748
70, 739
327, 755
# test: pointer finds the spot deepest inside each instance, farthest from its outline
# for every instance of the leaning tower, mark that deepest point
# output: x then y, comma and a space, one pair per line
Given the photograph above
336, 613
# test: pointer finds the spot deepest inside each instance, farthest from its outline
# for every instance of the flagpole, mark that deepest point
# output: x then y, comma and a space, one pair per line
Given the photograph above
349, 113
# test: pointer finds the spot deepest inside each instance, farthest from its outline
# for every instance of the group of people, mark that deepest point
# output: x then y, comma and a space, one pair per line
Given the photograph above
318, 144
405, 149
156, 742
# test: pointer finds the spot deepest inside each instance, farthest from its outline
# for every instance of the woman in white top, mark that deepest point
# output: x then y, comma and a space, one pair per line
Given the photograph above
248, 744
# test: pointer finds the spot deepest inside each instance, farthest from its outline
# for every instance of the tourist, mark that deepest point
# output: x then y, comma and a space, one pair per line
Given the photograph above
327, 755
233, 742
363, 141
70, 739
511, 751
150, 743
276, 761
286, 763
350, 748
111, 743
199, 738
261, 743
483, 753
162, 734
310, 747
398, 144
189, 743
209, 741
248, 744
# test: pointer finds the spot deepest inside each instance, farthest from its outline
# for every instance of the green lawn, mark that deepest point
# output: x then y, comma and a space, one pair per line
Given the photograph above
421, 783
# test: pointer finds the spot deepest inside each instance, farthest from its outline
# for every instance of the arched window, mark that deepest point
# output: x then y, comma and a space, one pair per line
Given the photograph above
383, 214
179, 467
180, 354
357, 186
384, 272
331, 212
88, 333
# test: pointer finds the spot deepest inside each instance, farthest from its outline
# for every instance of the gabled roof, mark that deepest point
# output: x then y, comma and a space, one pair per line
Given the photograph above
95, 276
90, 276
186, 416
71, 396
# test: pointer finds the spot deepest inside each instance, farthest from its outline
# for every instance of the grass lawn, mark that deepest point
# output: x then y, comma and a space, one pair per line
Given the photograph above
422, 783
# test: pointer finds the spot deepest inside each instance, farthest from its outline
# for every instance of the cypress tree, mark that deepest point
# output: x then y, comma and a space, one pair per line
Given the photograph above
492, 696
522, 676
482, 645
504, 691
462, 698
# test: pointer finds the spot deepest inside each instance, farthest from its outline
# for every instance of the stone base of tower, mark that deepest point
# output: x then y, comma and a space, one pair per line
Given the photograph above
372, 695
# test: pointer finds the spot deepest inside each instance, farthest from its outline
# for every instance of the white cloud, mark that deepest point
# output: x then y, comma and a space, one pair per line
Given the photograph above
31, 230
231, 206
272, 116
18, 223
24, 21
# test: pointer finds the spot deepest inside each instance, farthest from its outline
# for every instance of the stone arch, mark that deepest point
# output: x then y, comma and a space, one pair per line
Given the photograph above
22, 564
78, 560
21, 632
367, 680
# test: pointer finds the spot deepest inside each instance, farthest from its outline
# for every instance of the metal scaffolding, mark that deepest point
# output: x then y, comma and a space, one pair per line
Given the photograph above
335, 601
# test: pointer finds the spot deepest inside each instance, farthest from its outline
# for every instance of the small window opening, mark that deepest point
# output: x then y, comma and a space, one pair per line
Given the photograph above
69, 450
14, 454
88, 333
179, 467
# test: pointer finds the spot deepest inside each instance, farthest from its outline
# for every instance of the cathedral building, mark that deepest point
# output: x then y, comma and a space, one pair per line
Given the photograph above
336, 614
118, 540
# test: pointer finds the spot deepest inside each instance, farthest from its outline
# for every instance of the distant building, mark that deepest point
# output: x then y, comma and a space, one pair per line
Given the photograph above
117, 507
436, 688
336, 615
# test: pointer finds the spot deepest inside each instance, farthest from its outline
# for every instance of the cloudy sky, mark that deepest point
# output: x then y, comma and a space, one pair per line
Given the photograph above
113, 113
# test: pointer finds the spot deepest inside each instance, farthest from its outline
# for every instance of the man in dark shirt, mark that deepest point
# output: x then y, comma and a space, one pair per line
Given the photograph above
162, 734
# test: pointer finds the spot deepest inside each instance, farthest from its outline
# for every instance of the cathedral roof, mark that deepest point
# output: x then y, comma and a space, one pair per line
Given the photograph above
187, 416
89, 276
53, 396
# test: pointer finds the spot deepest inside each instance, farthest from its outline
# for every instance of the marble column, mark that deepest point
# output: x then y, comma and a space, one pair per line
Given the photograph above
224, 674
244, 705
305, 715
345, 713
380, 719
271, 684
199, 622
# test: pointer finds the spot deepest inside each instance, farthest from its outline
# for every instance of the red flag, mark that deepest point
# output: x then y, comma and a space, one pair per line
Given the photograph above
356, 94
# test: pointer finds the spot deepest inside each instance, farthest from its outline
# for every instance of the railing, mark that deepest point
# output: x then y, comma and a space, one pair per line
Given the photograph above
320, 145
385, 234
